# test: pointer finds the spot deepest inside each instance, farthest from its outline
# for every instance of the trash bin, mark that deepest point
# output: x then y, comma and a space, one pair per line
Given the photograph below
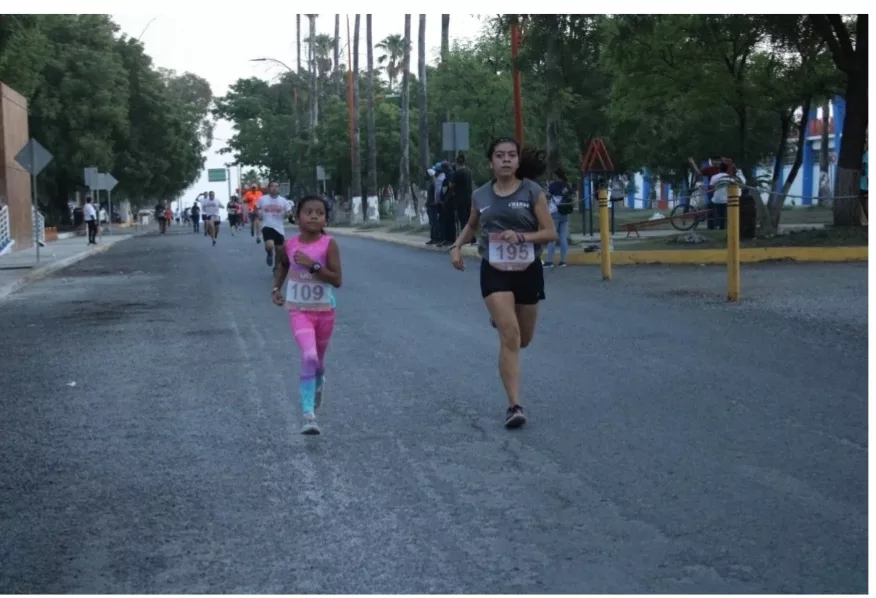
747, 215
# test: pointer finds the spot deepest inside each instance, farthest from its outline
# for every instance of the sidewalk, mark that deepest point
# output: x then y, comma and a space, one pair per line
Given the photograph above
20, 268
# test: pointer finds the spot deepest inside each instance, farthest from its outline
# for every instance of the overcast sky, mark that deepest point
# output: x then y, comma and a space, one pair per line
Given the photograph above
219, 49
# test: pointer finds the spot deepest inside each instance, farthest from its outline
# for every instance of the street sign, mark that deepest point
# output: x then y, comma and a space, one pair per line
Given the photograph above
454, 136
33, 157
106, 181
285, 188
216, 175
320, 174
90, 176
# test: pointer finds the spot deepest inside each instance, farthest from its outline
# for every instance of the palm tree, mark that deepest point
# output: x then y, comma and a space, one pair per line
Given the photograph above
445, 36
323, 47
372, 131
393, 48
337, 55
357, 159
424, 120
404, 182
298, 40
314, 82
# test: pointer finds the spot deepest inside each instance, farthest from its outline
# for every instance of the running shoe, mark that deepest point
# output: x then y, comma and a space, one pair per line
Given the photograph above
214, 242
270, 259
317, 399
515, 418
310, 426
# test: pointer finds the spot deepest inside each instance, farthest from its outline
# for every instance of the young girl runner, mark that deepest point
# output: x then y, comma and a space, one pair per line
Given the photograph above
310, 265
515, 224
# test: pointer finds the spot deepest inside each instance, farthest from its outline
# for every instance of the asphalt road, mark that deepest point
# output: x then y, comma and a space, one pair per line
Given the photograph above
676, 443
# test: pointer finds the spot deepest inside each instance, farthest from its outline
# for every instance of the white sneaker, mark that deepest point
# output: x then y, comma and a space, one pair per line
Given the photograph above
310, 426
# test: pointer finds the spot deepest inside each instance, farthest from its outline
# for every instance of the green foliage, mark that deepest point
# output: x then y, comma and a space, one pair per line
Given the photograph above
95, 99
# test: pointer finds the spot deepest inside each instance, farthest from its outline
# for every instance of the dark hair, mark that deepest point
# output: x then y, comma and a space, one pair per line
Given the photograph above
531, 163
309, 198
560, 174
722, 167
460, 159
715, 158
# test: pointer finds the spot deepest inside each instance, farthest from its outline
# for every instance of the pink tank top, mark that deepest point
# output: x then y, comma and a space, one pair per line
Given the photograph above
307, 294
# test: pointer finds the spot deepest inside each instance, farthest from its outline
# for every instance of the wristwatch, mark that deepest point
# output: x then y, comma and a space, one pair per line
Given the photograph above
315, 268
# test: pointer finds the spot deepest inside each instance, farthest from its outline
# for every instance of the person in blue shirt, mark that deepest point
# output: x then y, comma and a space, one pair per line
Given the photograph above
560, 205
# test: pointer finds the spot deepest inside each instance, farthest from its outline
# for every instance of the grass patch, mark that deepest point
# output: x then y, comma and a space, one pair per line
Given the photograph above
826, 237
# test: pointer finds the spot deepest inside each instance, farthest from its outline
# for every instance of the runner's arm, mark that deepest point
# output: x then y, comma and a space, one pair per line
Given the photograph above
330, 271
470, 229
547, 232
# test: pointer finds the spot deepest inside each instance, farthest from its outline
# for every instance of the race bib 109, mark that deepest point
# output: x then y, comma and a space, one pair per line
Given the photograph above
509, 256
303, 293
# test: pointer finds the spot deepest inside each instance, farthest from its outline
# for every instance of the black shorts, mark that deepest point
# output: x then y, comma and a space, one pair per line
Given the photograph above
527, 285
205, 218
269, 234
233, 219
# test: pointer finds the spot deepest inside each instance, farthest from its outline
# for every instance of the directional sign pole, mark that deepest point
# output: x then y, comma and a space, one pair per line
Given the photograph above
109, 218
33, 194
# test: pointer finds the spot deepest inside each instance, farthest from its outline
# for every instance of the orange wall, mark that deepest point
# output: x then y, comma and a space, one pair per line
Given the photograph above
14, 180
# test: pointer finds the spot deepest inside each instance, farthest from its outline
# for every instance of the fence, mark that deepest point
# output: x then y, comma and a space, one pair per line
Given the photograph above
39, 227
6, 241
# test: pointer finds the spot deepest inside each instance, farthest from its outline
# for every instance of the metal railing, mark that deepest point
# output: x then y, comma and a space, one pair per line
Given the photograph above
6, 241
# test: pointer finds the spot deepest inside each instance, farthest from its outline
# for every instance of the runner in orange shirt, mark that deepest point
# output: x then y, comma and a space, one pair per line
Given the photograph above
250, 198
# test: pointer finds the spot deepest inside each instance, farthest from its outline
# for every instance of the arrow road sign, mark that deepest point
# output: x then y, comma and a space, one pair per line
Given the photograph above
106, 181
90, 176
33, 157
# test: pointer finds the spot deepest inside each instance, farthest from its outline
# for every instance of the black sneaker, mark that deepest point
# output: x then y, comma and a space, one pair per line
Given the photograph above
270, 259
514, 417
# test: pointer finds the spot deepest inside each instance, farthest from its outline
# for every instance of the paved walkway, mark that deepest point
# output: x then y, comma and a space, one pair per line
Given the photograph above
20, 268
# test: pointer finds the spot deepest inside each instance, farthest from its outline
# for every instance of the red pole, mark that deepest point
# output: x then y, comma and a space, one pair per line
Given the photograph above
350, 92
518, 97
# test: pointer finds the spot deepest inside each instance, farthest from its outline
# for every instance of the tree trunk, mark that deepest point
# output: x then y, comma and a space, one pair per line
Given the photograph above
372, 131
846, 203
357, 159
552, 136
297, 113
298, 45
424, 117
337, 53
776, 201
824, 187
445, 36
404, 180
314, 82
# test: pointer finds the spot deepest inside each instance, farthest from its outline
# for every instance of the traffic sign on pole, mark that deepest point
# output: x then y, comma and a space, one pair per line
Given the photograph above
33, 157
216, 175
90, 176
106, 181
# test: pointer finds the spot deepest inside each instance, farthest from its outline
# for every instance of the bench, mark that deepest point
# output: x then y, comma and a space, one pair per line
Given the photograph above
633, 227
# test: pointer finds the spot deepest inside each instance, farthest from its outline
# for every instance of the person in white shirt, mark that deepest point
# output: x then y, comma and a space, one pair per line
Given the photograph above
211, 212
271, 210
718, 183
90, 215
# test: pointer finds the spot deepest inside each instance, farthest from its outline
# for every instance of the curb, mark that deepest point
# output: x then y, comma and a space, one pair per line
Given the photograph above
749, 255
467, 251
44, 271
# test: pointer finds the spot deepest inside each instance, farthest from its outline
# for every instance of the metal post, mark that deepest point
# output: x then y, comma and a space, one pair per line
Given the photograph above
604, 235
228, 178
733, 243
109, 216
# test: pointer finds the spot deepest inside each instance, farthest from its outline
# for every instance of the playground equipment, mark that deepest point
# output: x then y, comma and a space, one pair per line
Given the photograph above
592, 178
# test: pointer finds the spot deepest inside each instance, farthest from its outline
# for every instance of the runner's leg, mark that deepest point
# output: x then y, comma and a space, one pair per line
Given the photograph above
503, 313
302, 326
324, 324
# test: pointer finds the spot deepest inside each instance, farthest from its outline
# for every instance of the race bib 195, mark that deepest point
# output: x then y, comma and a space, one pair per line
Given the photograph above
509, 256
303, 293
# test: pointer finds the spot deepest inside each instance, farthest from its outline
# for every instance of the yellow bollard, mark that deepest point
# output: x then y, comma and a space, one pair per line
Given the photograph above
604, 234
733, 243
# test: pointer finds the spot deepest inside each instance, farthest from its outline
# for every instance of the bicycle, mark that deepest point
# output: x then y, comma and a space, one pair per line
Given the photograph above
687, 216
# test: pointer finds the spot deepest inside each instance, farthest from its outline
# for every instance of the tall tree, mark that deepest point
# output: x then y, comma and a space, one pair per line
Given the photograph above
337, 55
314, 80
356, 158
393, 49
423, 129
824, 187
372, 132
298, 41
851, 56
404, 181
445, 36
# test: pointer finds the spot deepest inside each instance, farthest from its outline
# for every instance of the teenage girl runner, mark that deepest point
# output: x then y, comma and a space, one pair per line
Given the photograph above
310, 265
515, 224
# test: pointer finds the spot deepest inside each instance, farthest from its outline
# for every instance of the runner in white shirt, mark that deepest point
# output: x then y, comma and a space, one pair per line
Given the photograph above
211, 210
271, 210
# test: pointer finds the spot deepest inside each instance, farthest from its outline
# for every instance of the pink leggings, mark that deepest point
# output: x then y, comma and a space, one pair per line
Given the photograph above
312, 331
